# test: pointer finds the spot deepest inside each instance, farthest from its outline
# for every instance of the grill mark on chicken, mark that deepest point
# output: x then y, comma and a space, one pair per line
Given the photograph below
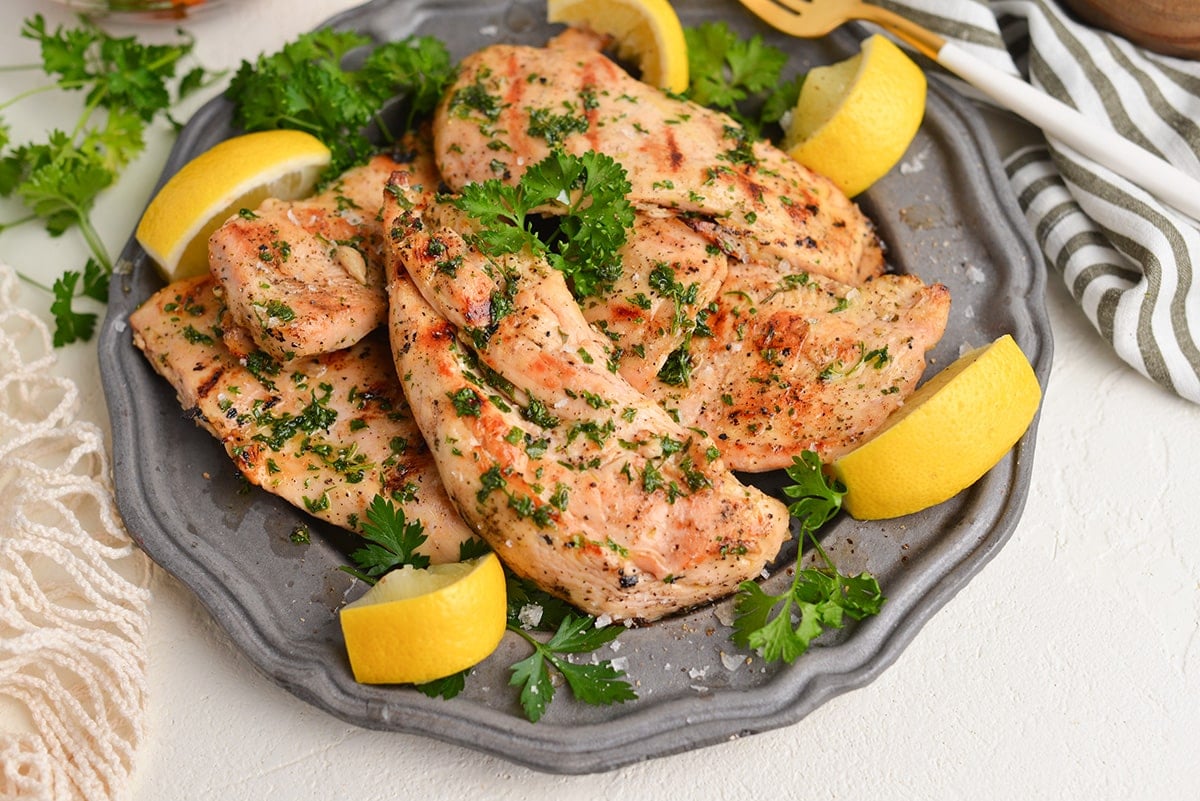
327, 433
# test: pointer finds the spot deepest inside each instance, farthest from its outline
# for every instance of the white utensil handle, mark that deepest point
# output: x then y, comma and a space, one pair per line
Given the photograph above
1089, 137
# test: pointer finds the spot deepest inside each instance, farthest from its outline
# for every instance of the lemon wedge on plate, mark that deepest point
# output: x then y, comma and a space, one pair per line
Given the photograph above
646, 32
420, 624
950, 432
855, 119
234, 174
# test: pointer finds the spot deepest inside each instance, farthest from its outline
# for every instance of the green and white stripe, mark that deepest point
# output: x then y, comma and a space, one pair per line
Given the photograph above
1126, 258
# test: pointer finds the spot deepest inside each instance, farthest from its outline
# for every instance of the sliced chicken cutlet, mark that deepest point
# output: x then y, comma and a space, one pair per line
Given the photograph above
577, 481
306, 277
801, 362
326, 433
511, 104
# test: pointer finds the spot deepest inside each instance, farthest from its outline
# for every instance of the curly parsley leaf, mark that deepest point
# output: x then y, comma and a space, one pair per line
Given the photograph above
742, 77
116, 72
394, 542
589, 211
783, 626
598, 684
304, 86
417, 67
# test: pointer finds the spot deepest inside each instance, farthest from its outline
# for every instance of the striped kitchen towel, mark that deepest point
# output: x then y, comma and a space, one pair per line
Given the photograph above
1126, 258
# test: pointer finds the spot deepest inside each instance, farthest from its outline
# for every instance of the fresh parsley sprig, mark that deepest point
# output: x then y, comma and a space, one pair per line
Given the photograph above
741, 77
585, 197
592, 683
307, 86
597, 682
127, 84
783, 626
394, 541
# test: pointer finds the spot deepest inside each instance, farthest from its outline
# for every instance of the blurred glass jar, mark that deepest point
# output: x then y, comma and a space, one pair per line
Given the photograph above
143, 9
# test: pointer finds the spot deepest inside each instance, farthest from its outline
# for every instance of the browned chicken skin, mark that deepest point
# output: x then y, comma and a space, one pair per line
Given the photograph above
802, 362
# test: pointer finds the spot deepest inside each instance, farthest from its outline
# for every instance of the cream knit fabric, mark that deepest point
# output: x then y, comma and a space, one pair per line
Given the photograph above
74, 610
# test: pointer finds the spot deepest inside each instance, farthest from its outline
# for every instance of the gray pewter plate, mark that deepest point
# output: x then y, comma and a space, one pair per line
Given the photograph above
946, 214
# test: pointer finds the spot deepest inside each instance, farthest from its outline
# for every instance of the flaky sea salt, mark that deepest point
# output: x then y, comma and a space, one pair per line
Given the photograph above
732, 661
530, 616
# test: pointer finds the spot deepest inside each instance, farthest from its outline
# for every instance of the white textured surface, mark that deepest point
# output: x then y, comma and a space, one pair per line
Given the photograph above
1068, 668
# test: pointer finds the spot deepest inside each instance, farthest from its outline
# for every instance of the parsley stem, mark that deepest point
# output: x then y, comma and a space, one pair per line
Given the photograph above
37, 90
34, 283
88, 110
95, 243
812, 537
529, 638
384, 131
19, 221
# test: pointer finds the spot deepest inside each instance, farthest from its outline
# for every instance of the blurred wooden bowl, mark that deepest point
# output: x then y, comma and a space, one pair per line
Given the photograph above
1171, 27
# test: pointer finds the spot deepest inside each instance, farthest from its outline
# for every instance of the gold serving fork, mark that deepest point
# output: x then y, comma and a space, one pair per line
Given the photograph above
812, 18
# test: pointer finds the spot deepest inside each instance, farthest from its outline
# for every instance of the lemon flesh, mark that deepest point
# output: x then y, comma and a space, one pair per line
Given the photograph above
417, 625
237, 173
950, 432
646, 32
855, 119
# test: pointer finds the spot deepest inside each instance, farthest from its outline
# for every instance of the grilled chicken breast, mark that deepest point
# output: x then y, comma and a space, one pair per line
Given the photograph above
305, 277
326, 433
791, 337
512, 104
577, 481
801, 362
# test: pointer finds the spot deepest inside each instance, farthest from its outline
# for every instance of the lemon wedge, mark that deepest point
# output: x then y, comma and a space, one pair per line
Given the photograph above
646, 32
855, 119
234, 174
950, 432
420, 624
